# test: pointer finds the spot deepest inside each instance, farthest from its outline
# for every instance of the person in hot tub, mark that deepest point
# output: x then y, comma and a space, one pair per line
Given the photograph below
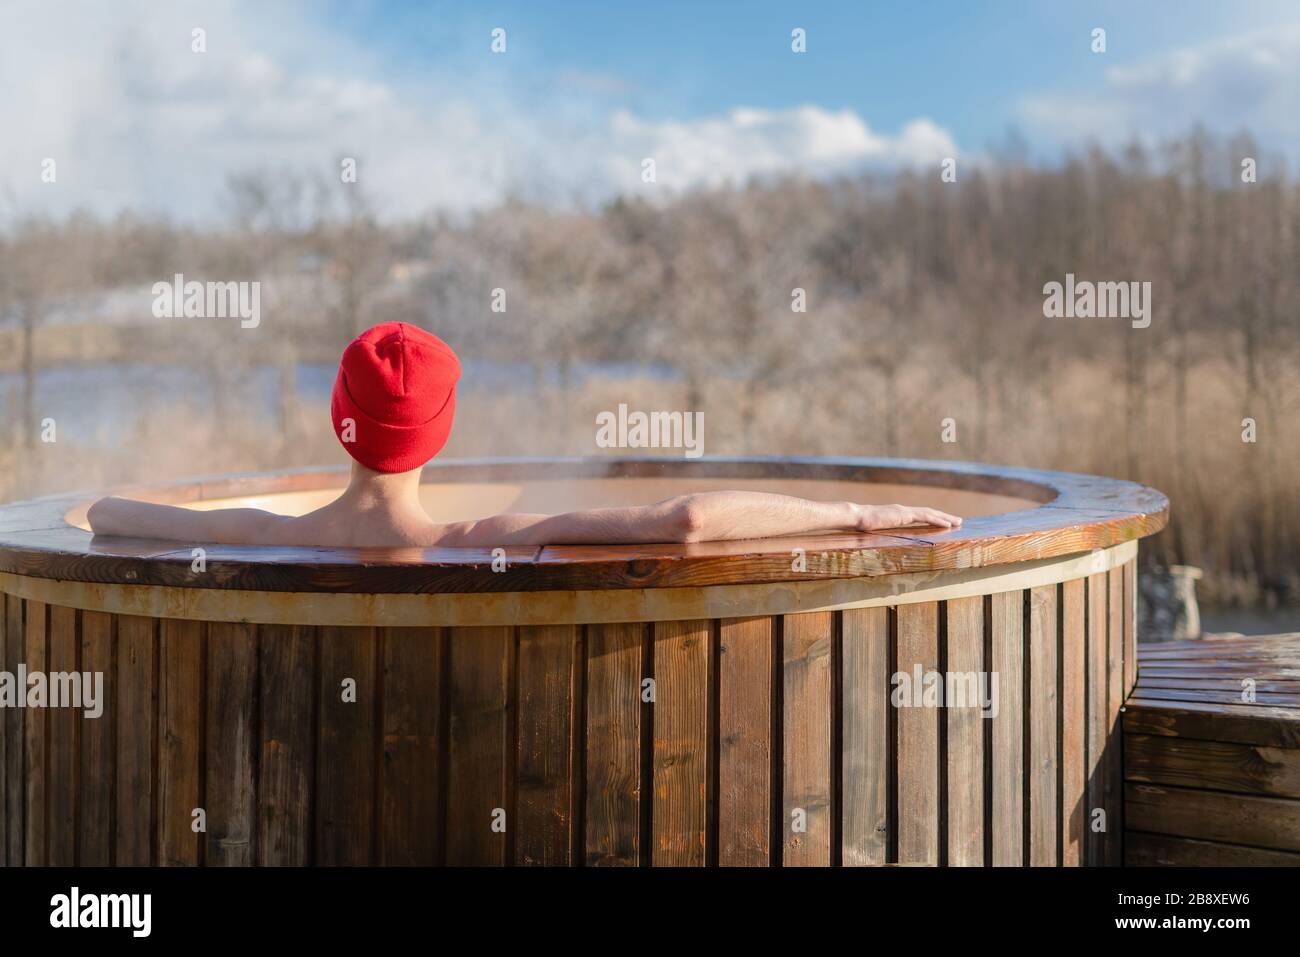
393, 404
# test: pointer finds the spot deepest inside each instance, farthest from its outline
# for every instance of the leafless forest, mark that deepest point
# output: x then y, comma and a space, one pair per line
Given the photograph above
924, 303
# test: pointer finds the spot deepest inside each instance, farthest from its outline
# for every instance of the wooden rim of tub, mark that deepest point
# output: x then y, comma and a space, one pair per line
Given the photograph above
1071, 513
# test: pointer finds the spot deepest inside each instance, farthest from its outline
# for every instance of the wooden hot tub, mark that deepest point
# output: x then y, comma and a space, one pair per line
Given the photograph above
336, 706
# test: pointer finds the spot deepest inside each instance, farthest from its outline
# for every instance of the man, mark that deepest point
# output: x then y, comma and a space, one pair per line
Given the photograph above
393, 404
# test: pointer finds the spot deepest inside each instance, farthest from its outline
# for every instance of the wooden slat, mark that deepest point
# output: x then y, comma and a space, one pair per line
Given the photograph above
411, 808
550, 698
286, 758
1248, 724
1043, 717
1263, 699
5, 712
1285, 648
1159, 850
918, 735
231, 733
679, 812
96, 772
63, 728
481, 733
180, 739
1007, 758
137, 739
1130, 626
34, 740
1214, 816
867, 666
1114, 701
613, 758
965, 746
746, 671
806, 739
1073, 723
1088, 513
13, 792
346, 748
1217, 765
1233, 684
4, 741
1098, 763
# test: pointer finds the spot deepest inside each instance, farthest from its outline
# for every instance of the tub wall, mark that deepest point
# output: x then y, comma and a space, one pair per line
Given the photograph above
754, 720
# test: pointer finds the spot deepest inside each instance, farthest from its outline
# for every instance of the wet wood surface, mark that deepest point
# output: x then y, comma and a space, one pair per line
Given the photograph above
1212, 753
1065, 514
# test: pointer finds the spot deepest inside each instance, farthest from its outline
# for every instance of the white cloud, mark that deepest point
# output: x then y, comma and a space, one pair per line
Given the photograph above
135, 119
749, 142
1249, 82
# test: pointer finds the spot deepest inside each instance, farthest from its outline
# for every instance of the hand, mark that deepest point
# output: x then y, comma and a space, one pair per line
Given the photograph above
875, 517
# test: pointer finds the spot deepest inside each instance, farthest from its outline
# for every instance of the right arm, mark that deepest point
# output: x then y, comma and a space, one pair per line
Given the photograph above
223, 526
699, 517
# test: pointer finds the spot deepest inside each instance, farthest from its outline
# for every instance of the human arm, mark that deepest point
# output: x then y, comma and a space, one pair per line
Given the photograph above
226, 526
698, 517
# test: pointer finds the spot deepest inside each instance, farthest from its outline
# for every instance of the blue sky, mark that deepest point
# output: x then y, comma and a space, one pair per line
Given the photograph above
588, 90
967, 65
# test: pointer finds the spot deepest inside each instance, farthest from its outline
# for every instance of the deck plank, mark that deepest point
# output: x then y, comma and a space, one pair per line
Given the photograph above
1212, 776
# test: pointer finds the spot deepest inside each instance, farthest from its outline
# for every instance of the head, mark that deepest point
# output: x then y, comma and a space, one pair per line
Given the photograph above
394, 398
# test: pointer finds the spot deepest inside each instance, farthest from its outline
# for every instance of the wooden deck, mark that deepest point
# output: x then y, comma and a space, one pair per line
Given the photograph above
1212, 753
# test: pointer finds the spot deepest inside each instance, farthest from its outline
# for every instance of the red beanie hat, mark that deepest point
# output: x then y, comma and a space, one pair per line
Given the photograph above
395, 397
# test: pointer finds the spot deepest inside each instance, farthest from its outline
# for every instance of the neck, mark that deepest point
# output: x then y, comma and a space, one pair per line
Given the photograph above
395, 492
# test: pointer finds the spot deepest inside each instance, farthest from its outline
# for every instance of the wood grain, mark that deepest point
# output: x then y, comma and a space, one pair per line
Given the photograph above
918, 795
808, 746
613, 745
95, 798
346, 749
1216, 765
1079, 513
550, 699
481, 746
1158, 850
1006, 762
232, 745
35, 740
411, 811
1130, 626
1248, 724
14, 793
1098, 731
867, 667
1074, 677
1041, 771
1213, 776
472, 609
1213, 816
679, 813
181, 662
965, 742
288, 698
747, 667
63, 729
1114, 701
4, 738
135, 834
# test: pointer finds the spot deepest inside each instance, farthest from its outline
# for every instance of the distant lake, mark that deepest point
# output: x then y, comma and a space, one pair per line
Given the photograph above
98, 406
1251, 621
